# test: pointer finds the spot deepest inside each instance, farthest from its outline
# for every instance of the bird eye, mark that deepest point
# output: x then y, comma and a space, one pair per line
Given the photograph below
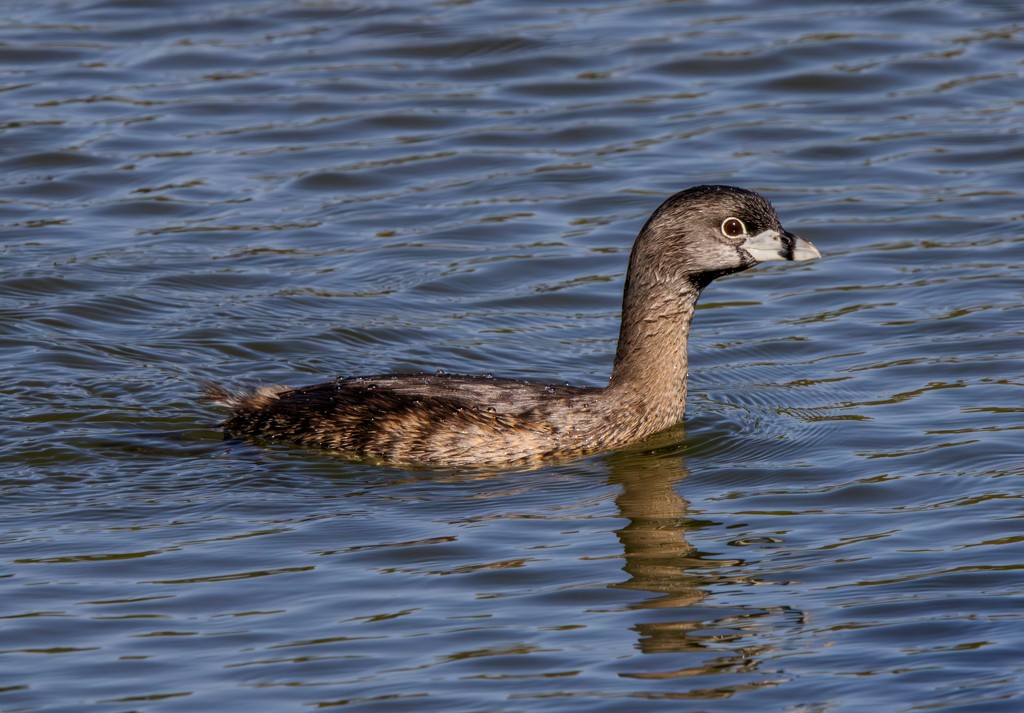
733, 228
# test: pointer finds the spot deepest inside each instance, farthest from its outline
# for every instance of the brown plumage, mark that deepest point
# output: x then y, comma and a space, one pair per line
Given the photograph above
450, 420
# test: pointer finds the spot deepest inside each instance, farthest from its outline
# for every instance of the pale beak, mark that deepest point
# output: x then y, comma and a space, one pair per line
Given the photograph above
773, 245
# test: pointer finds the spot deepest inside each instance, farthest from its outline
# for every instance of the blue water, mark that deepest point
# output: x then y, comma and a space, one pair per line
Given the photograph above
285, 191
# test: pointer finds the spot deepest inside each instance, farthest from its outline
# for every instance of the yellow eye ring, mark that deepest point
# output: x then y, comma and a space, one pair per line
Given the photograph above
733, 228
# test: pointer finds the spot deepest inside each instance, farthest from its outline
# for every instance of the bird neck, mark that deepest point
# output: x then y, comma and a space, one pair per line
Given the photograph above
649, 375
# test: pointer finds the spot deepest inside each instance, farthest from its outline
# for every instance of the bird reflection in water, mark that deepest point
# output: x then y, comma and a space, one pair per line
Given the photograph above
659, 559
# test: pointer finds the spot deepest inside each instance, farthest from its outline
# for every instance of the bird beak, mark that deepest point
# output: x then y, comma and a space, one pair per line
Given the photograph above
774, 245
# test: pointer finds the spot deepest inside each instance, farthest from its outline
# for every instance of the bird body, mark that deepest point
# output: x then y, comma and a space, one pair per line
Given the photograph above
694, 237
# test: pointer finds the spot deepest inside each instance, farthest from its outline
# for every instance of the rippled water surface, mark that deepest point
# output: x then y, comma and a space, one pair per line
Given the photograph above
277, 191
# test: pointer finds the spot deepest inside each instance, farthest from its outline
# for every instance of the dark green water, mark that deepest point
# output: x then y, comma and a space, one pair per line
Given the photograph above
282, 191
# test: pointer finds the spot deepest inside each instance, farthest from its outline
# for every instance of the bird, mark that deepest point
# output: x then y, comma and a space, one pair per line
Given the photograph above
452, 420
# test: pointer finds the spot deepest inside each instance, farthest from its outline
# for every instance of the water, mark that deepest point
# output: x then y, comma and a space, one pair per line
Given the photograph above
280, 191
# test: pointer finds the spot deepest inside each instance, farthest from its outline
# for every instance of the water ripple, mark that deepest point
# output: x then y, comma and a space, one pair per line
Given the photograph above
277, 191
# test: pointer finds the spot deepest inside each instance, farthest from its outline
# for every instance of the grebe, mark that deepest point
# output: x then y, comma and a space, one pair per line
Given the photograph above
440, 420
